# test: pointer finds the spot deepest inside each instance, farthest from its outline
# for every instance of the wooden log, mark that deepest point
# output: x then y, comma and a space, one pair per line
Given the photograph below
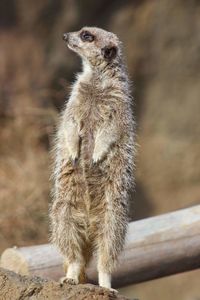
15, 287
155, 247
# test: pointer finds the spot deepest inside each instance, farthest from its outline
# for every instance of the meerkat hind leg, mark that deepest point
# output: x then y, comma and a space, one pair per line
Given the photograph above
112, 235
104, 274
105, 279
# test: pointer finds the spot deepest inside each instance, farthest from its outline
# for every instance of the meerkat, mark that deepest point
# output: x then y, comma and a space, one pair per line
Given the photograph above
94, 158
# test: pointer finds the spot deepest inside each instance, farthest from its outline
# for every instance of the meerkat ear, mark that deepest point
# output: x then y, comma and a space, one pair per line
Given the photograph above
109, 52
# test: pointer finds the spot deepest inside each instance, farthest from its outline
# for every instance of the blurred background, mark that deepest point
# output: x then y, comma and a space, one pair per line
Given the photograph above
162, 47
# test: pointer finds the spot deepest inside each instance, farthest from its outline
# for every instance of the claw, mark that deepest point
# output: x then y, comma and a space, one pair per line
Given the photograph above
94, 163
114, 291
74, 162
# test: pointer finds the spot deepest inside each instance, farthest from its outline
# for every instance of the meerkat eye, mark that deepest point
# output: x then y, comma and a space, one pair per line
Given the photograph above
86, 36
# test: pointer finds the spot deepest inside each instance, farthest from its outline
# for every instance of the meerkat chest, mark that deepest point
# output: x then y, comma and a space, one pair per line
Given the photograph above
90, 112
92, 109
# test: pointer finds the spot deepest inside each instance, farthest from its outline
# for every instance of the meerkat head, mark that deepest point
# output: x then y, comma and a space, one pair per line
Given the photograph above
95, 46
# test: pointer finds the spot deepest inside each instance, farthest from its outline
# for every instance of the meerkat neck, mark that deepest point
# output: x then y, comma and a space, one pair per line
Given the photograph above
104, 73
87, 72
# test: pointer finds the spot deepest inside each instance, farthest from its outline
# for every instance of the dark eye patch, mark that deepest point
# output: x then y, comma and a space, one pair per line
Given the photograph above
109, 53
86, 36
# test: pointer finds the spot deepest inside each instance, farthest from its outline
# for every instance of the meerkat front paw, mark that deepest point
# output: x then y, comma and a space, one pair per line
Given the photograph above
73, 153
73, 156
67, 280
74, 161
95, 159
71, 144
97, 154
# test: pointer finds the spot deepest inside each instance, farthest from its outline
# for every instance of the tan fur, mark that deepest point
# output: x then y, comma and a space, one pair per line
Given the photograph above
94, 154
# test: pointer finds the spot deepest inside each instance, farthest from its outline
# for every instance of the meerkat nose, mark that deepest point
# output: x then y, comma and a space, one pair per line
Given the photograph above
65, 37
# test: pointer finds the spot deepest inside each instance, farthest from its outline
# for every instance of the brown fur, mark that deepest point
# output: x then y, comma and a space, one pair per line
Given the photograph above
94, 153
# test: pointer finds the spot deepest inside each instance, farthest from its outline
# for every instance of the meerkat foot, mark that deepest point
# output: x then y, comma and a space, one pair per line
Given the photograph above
67, 280
105, 280
73, 273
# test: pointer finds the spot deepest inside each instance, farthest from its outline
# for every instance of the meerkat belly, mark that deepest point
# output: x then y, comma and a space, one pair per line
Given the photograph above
91, 115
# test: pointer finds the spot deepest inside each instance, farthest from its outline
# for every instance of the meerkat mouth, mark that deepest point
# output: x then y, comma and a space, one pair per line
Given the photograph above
72, 47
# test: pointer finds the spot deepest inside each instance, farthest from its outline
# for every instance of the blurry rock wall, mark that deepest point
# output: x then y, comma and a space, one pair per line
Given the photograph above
162, 48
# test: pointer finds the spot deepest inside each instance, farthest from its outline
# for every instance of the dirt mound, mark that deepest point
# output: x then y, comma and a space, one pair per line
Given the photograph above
15, 287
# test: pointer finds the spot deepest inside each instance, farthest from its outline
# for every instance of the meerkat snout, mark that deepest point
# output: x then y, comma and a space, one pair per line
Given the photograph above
65, 37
